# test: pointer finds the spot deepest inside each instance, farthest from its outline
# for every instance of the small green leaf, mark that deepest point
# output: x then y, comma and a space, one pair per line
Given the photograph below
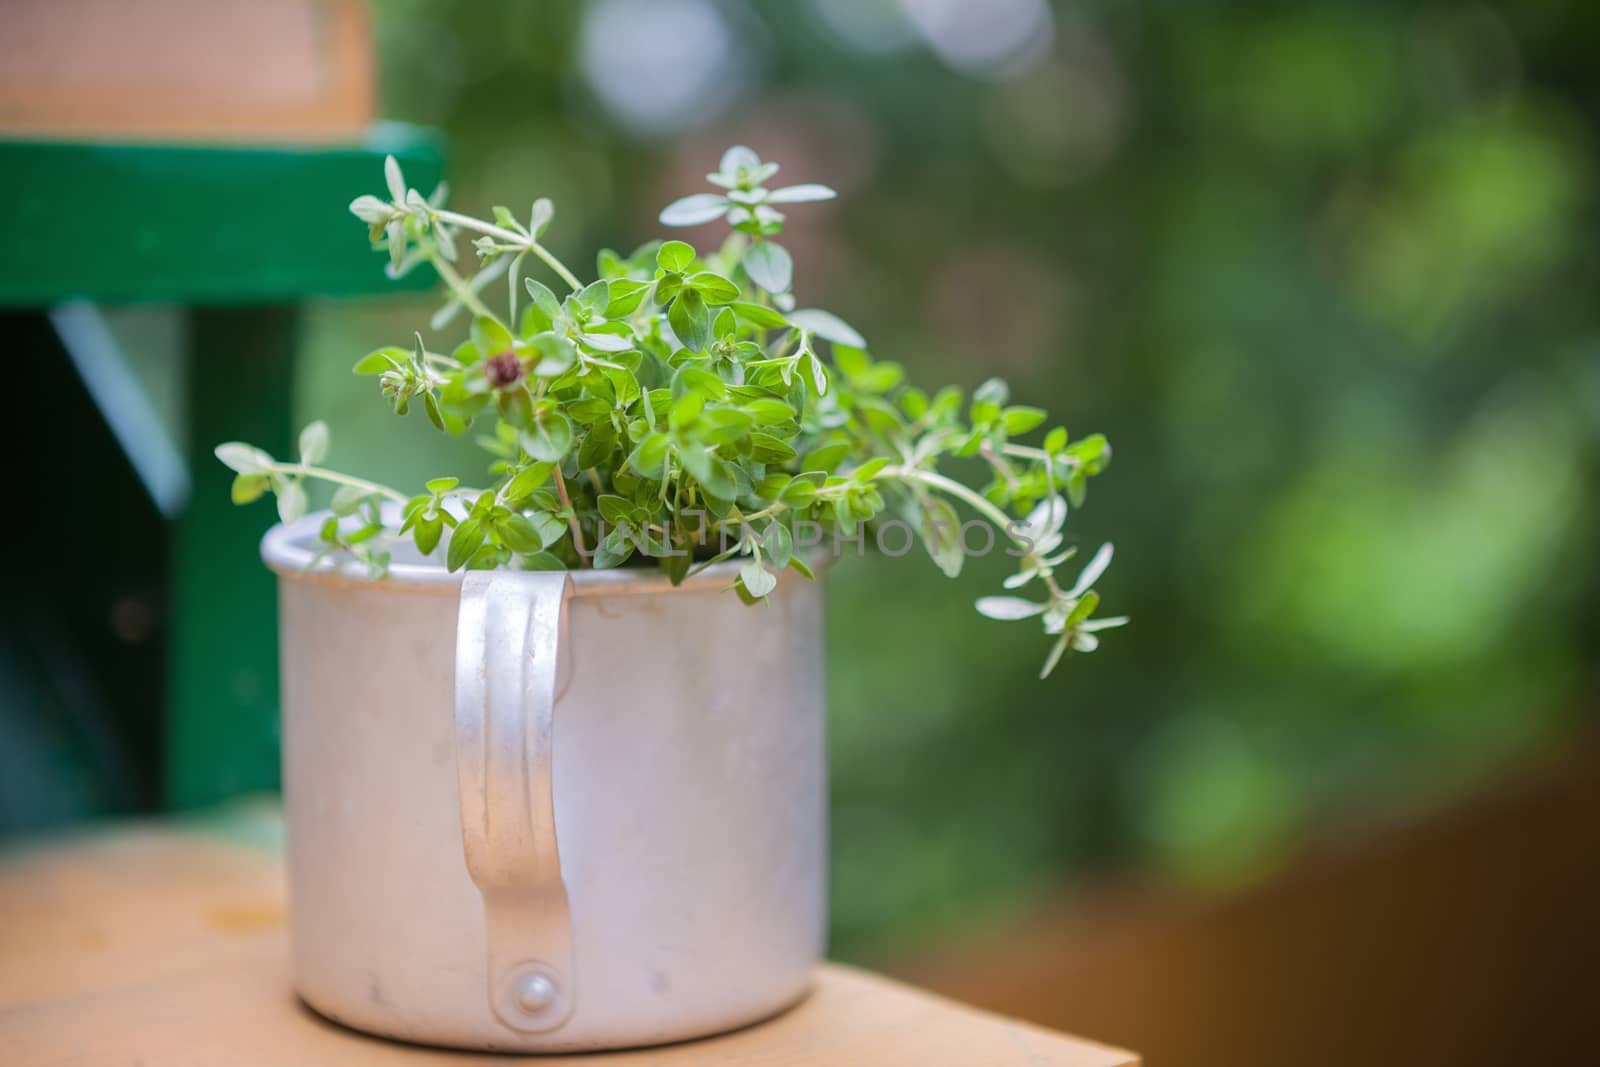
826, 458
724, 426
691, 320
713, 288
427, 531
549, 438
710, 470
384, 359
1091, 572
614, 509
469, 536
768, 449
778, 544
588, 410
800, 194
769, 266
626, 296
649, 455
819, 376
540, 217
693, 379
412, 509
769, 410
607, 342
1077, 488
799, 494
772, 485
394, 179
759, 315
1008, 608
545, 300
598, 445
243, 458
1020, 419
346, 499
696, 210
827, 326
490, 337
675, 256
371, 210
1054, 658
853, 362
613, 550
869, 470
594, 297
505, 219
249, 487
1083, 610
737, 162
1093, 452
758, 581
487, 558
291, 501
676, 567
686, 409
556, 355
527, 480
941, 535
994, 391
519, 534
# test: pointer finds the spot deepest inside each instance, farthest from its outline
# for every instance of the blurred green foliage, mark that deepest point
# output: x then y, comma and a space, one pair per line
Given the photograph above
1324, 272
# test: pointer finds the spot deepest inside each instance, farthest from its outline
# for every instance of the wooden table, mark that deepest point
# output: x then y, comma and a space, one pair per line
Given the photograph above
165, 945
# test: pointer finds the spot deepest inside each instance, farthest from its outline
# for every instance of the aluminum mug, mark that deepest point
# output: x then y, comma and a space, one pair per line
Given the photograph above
541, 811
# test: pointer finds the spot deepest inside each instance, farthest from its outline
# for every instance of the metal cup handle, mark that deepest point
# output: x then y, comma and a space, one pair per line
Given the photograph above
510, 644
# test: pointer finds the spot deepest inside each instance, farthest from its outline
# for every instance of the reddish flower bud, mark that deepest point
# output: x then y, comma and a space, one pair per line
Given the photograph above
503, 370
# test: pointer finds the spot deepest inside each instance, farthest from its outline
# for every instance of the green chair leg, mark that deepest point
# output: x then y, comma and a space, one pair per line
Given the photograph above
223, 731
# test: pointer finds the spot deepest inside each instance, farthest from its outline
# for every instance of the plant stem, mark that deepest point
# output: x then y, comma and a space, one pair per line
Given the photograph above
556, 265
517, 239
779, 507
938, 481
1024, 452
1001, 467
323, 474
512, 274
458, 285
467, 222
572, 515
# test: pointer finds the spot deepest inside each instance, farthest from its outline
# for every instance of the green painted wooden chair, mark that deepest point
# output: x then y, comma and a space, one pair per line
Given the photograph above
240, 236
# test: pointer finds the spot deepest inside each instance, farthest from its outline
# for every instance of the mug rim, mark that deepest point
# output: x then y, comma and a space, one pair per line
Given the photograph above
286, 550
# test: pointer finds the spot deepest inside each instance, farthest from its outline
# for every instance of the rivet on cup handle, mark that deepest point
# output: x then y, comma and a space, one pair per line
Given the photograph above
510, 638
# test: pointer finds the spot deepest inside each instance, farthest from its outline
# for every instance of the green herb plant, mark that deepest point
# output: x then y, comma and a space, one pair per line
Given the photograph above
678, 410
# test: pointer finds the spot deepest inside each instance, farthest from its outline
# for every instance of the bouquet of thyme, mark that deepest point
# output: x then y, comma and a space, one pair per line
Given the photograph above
681, 409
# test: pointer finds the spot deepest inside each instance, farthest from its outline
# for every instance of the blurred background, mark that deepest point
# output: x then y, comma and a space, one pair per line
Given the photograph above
1325, 274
